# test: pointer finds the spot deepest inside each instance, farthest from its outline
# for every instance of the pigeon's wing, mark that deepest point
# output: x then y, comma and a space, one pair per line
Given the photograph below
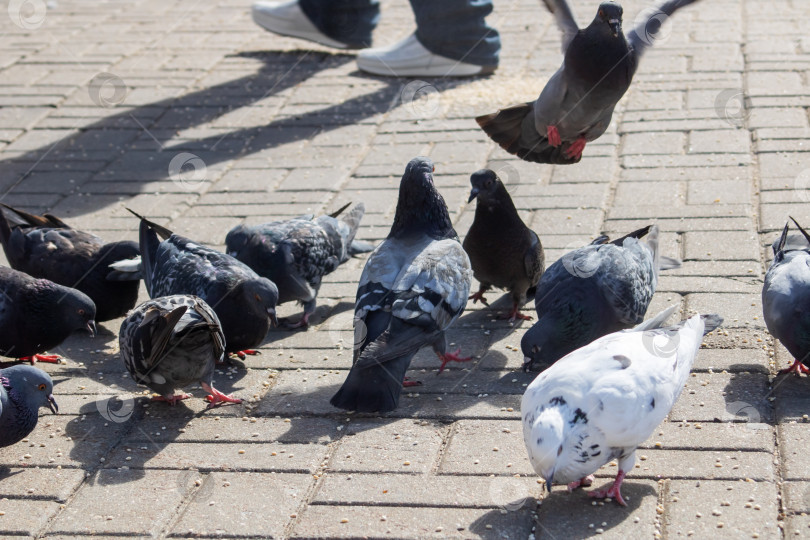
149, 246
649, 23
565, 20
533, 259
150, 338
627, 280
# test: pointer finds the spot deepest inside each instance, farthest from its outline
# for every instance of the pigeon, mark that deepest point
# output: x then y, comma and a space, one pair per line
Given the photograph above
576, 105
37, 314
592, 291
23, 390
600, 402
244, 302
172, 341
503, 251
297, 253
414, 286
786, 294
46, 247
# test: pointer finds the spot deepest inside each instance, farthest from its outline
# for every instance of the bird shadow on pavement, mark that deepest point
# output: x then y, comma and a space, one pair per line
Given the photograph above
747, 396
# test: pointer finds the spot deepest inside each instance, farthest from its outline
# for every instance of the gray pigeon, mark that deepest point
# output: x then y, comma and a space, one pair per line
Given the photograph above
576, 105
23, 390
173, 341
38, 314
244, 302
592, 291
503, 251
786, 297
413, 287
47, 247
297, 253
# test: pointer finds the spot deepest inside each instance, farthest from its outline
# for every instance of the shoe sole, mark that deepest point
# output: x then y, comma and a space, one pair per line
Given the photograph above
435, 71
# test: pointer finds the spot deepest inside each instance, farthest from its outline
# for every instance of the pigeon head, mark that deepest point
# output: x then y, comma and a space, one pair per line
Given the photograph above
420, 208
76, 311
31, 385
547, 441
609, 15
236, 240
484, 184
262, 295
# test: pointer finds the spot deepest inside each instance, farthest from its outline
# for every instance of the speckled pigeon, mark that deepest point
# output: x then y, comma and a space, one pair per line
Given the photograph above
413, 287
244, 302
173, 341
503, 251
592, 291
600, 402
37, 314
46, 247
297, 253
576, 105
23, 390
786, 297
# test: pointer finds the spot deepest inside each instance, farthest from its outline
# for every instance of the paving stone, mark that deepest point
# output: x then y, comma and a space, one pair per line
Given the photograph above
38, 483
486, 447
25, 517
724, 397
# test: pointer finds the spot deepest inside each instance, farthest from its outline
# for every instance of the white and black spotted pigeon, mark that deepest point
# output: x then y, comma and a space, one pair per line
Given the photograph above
23, 390
576, 105
600, 402
38, 314
786, 297
592, 291
46, 247
171, 342
503, 251
244, 301
413, 287
297, 253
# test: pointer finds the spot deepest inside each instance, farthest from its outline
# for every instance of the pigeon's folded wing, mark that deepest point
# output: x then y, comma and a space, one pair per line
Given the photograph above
627, 283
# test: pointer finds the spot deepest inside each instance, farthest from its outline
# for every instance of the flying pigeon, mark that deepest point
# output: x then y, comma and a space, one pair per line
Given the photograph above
297, 253
244, 302
592, 291
576, 105
38, 314
23, 390
413, 287
786, 297
503, 251
600, 402
46, 247
173, 341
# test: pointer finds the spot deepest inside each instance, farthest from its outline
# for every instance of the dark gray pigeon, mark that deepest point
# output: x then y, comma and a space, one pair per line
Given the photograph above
786, 297
244, 302
297, 253
576, 105
503, 251
413, 287
46, 247
37, 314
173, 341
23, 390
592, 291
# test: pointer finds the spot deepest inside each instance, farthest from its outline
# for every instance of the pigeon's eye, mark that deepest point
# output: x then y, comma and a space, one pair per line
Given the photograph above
559, 450
258, 298
81, 312
41, 387
602, 13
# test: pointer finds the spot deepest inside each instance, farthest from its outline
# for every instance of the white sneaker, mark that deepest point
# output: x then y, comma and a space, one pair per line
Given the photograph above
409, 58
287, 19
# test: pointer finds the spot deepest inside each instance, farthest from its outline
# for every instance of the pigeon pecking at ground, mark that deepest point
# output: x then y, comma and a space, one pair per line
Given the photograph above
23, 390
297, 253
600, 402
576, 105
503, 251
37, 314
592, 291
173, 341
413, 287
786, 295
244, 301
46, 247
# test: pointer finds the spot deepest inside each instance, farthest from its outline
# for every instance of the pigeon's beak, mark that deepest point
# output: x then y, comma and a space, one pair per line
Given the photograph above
91, 328
232, 254
473, 194
272, 314
52, 404
615, 26
527, 363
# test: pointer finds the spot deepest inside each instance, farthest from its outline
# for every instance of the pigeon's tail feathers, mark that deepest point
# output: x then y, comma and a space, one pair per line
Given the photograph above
668, 263
373, 388
778, 246
126, 270
149, 244
657, 321
159, 229
352, 219
638, 233
340, 210
360, 246
652, 242
711, 321
5, 230
20, 217
153, 334
505, 127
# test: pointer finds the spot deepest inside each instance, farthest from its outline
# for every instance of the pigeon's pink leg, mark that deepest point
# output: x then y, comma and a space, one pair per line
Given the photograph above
216, 397
46, 358
582, 482
515, 314
172, 401
553, 136
407, 383
480, 296
576, 148
452, 357
246, 352
797, 368
302, 323
614, 491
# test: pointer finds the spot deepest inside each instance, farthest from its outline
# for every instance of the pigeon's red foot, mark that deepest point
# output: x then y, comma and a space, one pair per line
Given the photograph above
173, 400
452, 357
47, 358
246, 352
796, 368
614, 491
553, 136
575, 149
582, 482
515, 314
215, 397
409, 383
479, 296
302, 323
